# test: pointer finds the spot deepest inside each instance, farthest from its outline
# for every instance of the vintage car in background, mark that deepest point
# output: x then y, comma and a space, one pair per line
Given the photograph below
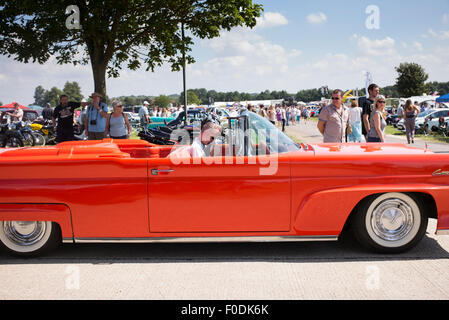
28, 115
115, 191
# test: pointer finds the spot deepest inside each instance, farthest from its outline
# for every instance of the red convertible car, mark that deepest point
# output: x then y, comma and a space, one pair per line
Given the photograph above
132, 191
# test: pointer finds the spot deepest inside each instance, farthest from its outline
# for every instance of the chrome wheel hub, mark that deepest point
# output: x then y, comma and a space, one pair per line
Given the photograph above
392, 219
24, 233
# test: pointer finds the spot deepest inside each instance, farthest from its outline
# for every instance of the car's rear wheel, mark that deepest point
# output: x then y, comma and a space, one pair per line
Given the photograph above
390, 223
29, 238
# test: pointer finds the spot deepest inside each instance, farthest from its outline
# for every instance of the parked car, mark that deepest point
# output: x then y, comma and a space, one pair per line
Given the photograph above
270, 190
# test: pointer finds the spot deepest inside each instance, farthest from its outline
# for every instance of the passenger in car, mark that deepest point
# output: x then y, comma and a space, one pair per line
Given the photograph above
201, 146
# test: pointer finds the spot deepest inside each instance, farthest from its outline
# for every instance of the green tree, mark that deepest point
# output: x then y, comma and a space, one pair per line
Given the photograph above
52, 96
163, 101
192, 98
73, 91
411, 80
39, 96
116, 33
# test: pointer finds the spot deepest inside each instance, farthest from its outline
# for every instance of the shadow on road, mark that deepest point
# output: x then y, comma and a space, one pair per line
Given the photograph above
304, 252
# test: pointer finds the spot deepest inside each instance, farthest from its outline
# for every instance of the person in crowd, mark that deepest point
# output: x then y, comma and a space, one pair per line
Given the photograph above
411, 111
355, 122
283, 118
400, 111
306, 114
441, 128
202, 145
279, 116
47, 112
272, 115
64, 114
17, 114
367, 105
288, 114
96, 115
377, 121
117, 123
144, 115
263, 111
333, 119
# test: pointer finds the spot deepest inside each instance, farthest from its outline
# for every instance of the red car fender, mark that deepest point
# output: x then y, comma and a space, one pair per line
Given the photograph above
326, 212
58, 213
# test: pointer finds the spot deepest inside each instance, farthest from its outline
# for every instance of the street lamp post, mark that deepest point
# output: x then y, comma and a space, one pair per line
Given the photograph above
184, 73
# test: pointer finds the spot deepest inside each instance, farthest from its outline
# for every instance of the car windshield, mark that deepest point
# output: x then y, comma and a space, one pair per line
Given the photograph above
263, 133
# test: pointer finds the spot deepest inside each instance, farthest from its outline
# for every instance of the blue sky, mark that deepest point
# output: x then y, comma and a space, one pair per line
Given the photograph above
298, 44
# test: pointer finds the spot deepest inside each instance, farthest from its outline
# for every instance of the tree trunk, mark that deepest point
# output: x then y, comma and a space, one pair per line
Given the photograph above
99, 64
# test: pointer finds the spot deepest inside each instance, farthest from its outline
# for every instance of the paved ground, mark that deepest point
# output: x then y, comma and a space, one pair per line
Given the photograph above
308, 132
272, 271
293, 271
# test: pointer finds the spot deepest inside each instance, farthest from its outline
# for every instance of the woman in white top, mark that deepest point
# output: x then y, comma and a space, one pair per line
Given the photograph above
355, 122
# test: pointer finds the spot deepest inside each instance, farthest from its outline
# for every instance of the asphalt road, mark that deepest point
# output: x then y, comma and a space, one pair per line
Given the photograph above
230, 271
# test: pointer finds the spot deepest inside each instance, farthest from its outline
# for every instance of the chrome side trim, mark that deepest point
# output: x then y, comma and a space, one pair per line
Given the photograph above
444, 232
206, 239
68, 240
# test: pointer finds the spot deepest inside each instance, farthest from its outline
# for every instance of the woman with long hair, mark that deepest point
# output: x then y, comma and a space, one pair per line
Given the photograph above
377, 121
355, 121
410, 113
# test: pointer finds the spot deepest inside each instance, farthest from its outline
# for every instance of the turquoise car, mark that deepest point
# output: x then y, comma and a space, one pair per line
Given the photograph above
159, 122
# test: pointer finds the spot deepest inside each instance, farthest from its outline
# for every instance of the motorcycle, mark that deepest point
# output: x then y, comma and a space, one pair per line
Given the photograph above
9, 137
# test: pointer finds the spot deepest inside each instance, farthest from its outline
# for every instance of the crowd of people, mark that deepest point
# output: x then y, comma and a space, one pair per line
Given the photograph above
364, 120
283, 116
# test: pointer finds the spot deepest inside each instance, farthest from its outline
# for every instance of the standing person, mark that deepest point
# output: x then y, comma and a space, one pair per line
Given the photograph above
377, 121
47, 112
367, 107
17, 114
333, 119
287, 115
283, 118
96, 114
278, 116
64, 113
117, 124
411, 111
144, 115
355, 121
272, 115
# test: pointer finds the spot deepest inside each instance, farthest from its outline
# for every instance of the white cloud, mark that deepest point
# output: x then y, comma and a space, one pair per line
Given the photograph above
317, 18
271, 19
443, 35
383, 47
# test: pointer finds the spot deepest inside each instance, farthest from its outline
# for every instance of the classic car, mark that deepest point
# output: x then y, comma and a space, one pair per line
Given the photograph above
272, 189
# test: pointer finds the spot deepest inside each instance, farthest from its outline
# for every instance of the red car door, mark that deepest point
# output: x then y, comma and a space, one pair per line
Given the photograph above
220, 197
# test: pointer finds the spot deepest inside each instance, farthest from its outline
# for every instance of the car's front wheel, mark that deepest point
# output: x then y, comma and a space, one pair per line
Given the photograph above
29, 238
390, 223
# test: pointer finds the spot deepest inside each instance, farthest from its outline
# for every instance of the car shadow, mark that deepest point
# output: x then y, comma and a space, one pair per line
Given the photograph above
344, 250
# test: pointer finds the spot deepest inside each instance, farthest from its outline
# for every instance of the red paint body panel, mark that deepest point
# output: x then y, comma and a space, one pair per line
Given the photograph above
107, 189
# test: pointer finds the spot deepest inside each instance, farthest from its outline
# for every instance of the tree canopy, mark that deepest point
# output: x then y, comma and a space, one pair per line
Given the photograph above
411, 79
116, 33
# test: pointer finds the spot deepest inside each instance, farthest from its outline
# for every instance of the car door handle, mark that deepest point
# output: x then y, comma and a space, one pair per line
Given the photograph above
155, 172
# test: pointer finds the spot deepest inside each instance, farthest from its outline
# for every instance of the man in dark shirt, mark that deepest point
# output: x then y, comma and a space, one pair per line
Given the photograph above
366, 105
47, 112
64, 114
